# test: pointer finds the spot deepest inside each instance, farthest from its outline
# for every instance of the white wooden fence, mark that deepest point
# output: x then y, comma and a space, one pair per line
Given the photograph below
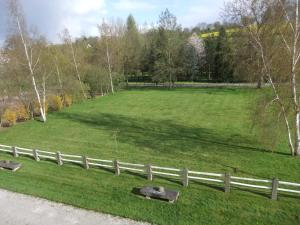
194, 85
275, 186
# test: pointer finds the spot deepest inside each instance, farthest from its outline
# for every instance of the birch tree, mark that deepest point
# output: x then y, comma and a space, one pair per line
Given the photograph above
68, 41
273, 26
58, 72
106, 33
32, 57
63, 80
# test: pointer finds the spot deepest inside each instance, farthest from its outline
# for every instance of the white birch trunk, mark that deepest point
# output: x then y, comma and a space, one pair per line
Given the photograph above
290, 39
31, 69
101, 91
76, 69
294, 52
58, 75
297, 147
276, 94
109, 66
170, 75
296, 55
44, 98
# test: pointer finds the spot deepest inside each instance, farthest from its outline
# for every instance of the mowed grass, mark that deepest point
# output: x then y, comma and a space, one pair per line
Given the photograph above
201, 129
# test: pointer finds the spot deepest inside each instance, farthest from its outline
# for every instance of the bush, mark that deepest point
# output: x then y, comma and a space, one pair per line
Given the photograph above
55, 103
22, 113
9, 118
36, 110
67, 100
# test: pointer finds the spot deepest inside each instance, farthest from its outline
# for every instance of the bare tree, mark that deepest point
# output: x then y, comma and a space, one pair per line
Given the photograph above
273, 26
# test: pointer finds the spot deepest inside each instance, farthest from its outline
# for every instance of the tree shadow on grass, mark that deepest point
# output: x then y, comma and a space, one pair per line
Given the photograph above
188, 90
171, 140
165, 136
171, 180
143, 176
254, 191
209, 185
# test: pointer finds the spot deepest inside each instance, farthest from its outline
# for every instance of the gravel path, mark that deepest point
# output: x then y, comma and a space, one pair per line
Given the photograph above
19, 209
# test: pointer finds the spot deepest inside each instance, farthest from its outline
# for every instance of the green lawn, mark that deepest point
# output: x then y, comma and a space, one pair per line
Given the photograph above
201, 129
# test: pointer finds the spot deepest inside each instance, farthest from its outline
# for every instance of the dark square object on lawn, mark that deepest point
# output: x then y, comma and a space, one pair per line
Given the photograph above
10, 165
159, 193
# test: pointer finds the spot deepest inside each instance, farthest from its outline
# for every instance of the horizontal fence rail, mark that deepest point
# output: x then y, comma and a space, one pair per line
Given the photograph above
185, 175
192, 85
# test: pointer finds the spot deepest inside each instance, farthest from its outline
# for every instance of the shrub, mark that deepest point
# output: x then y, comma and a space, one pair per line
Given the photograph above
22, 113
67, 100
9, 118
36, 110
55, 103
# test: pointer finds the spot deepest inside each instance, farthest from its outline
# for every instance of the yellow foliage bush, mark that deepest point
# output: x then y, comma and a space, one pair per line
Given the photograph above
9, 118
68, 100
55, 103
36, 110
22, 113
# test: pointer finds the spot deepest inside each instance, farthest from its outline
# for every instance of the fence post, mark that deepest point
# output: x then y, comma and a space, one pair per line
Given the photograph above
275, 184
117, 167
227, 182
149, 172
59, 159
15, 151
85, 162
185, 177
36, 155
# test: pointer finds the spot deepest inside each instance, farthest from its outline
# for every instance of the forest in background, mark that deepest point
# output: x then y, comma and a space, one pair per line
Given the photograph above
260, 44
122, 52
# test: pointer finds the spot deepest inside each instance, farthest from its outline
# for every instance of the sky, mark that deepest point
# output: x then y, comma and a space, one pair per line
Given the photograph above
81, 17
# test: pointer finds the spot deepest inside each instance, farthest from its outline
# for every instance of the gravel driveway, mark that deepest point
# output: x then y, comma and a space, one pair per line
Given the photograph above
19, 209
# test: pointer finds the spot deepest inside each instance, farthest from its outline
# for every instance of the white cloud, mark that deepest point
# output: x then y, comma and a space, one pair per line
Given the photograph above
127, 5
84, 7
82, 16
201, 13
50, 17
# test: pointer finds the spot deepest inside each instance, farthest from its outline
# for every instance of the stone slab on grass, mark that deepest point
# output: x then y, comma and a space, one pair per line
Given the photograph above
10, 165
159, 193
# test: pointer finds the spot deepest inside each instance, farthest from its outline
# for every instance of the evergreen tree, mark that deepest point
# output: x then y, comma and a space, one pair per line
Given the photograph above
149, 52
223, 58
132, 48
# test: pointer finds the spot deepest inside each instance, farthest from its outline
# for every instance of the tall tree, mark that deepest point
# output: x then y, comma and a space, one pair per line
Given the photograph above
132, 48
210, 56
69, 42
168, 45
149, 52
192, 55
32, 58
223, 58
190, 62
273, 26
106, 31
